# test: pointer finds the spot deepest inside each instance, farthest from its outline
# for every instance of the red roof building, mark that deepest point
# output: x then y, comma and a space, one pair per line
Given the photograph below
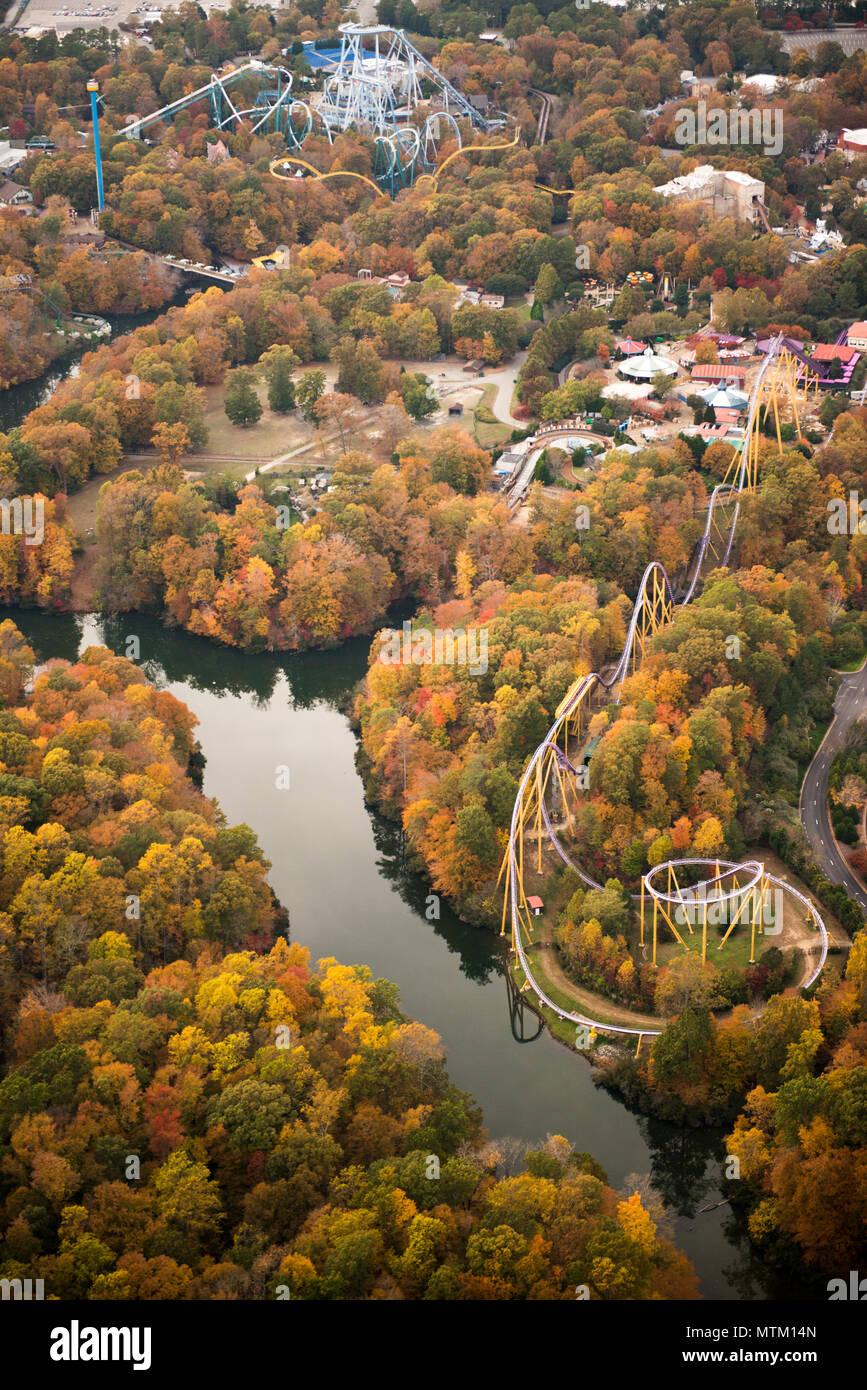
629, 347
708, 431
826, 352
852, 143
719, 371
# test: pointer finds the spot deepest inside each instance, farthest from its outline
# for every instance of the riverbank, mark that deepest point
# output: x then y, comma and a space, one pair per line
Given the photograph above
17, 401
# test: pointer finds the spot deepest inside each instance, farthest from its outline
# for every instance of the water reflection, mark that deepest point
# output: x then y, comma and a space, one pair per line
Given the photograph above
481, 957
527, 1026
684, 1163
170, 656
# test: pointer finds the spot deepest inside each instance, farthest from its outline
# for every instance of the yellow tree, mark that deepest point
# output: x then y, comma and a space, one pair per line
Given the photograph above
170, 441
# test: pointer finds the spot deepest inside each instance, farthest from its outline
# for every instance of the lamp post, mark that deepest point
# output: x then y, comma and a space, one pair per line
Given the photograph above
93, 88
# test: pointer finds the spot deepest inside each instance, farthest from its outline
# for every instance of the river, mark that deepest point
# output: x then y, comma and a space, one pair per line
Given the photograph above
18, 401
338, 867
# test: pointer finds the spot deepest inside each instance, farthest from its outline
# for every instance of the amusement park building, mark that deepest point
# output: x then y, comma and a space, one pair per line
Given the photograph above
720, 373
857, 335
727, 192
853, 144
644, 366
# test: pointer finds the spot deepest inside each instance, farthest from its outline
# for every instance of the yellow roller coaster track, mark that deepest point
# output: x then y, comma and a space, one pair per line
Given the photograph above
482, 149
433, 178
334, 174
467, 149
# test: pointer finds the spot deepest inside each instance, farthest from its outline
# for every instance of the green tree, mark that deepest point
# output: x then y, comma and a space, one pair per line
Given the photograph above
476, 832
418, 399
360, 370
252, 1113
682, 1049
661, 383
182, 405
542, 472
278, 364
242, 403
186, 1198
309, 391
547, 284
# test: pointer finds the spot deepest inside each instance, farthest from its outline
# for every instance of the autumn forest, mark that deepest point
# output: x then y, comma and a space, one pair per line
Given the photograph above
312, 411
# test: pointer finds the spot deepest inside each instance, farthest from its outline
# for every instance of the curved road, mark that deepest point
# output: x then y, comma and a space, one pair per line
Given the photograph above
850, 704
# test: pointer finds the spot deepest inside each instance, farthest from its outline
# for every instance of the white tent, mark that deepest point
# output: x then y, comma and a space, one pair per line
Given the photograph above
727, 399
643, 367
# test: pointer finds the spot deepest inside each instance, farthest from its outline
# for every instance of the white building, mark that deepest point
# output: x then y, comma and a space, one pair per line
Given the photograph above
857, 335
823, 239
726, 192
645, 365
764, 82
853, 144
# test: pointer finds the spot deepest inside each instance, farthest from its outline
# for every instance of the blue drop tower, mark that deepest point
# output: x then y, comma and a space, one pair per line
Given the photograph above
93, 88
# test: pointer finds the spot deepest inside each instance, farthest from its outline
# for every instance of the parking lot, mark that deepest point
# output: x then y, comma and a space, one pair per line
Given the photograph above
43, 14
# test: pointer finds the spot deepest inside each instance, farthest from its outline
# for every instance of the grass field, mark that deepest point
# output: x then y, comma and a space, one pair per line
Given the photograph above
489, 434
271, 436
735, 952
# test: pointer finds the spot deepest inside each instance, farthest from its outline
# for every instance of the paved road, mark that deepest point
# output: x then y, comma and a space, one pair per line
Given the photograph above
851, 702
450, 374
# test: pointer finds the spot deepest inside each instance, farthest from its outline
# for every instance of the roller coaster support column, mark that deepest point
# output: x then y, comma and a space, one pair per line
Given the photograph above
758, 903
641, 937
539, 794
93, 88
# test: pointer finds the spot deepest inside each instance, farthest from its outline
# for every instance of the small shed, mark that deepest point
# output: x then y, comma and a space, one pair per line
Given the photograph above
456, 410
536, 906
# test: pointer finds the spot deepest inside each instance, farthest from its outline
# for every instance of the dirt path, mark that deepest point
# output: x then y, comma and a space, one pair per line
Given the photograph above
795, 931
83, 583
595, 1005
